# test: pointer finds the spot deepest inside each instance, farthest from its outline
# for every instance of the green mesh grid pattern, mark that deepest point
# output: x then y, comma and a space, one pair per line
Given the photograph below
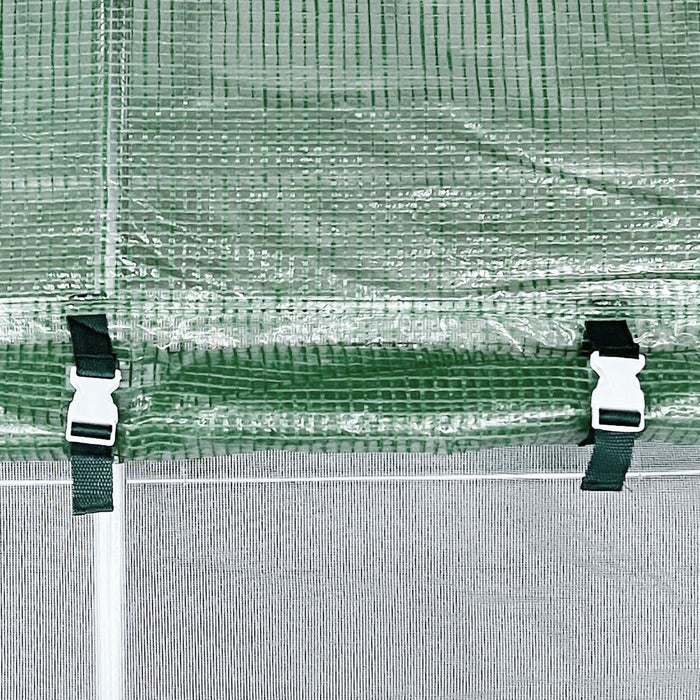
199, 402
347, 224
51, 123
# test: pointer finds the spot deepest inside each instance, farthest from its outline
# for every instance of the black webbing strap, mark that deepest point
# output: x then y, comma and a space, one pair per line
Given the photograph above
92, 478
611, 458
92, 346
92, 464
611, 338
612, 453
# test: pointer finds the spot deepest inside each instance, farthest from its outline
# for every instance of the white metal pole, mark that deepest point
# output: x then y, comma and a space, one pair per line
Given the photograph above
109, 588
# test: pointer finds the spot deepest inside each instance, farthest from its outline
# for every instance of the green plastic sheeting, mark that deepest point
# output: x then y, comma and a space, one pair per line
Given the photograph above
347, 224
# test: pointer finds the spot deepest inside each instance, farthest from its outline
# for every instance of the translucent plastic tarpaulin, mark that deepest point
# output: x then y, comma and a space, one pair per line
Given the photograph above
347, 225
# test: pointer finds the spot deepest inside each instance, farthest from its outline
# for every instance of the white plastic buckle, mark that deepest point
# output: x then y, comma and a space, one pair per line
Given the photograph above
93, 409
618, 390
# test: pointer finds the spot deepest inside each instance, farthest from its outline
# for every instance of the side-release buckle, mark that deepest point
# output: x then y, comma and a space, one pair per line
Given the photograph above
92, 414
617, 402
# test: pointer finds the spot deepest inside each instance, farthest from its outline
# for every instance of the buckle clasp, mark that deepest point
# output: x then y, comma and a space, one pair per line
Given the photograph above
617, 402
92, 414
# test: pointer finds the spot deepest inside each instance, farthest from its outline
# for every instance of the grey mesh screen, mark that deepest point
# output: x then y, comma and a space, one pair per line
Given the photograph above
486, 574
431, 589
46, 577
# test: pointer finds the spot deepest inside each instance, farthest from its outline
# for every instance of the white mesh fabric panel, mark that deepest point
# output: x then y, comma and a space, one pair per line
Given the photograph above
46, 616
482, 575
245, 583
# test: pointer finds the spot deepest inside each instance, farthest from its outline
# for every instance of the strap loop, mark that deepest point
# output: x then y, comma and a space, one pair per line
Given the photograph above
92, 432
617, 403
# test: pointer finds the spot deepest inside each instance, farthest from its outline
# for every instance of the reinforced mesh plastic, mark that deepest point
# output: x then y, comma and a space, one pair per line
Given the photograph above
343, 224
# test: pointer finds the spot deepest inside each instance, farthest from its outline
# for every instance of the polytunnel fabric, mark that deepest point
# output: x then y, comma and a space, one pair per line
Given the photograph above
347, 225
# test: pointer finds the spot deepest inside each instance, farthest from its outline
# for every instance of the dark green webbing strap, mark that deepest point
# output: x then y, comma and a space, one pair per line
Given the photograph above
91, 465
612, 338
612, 451
92, 478
92, 346
610, 461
